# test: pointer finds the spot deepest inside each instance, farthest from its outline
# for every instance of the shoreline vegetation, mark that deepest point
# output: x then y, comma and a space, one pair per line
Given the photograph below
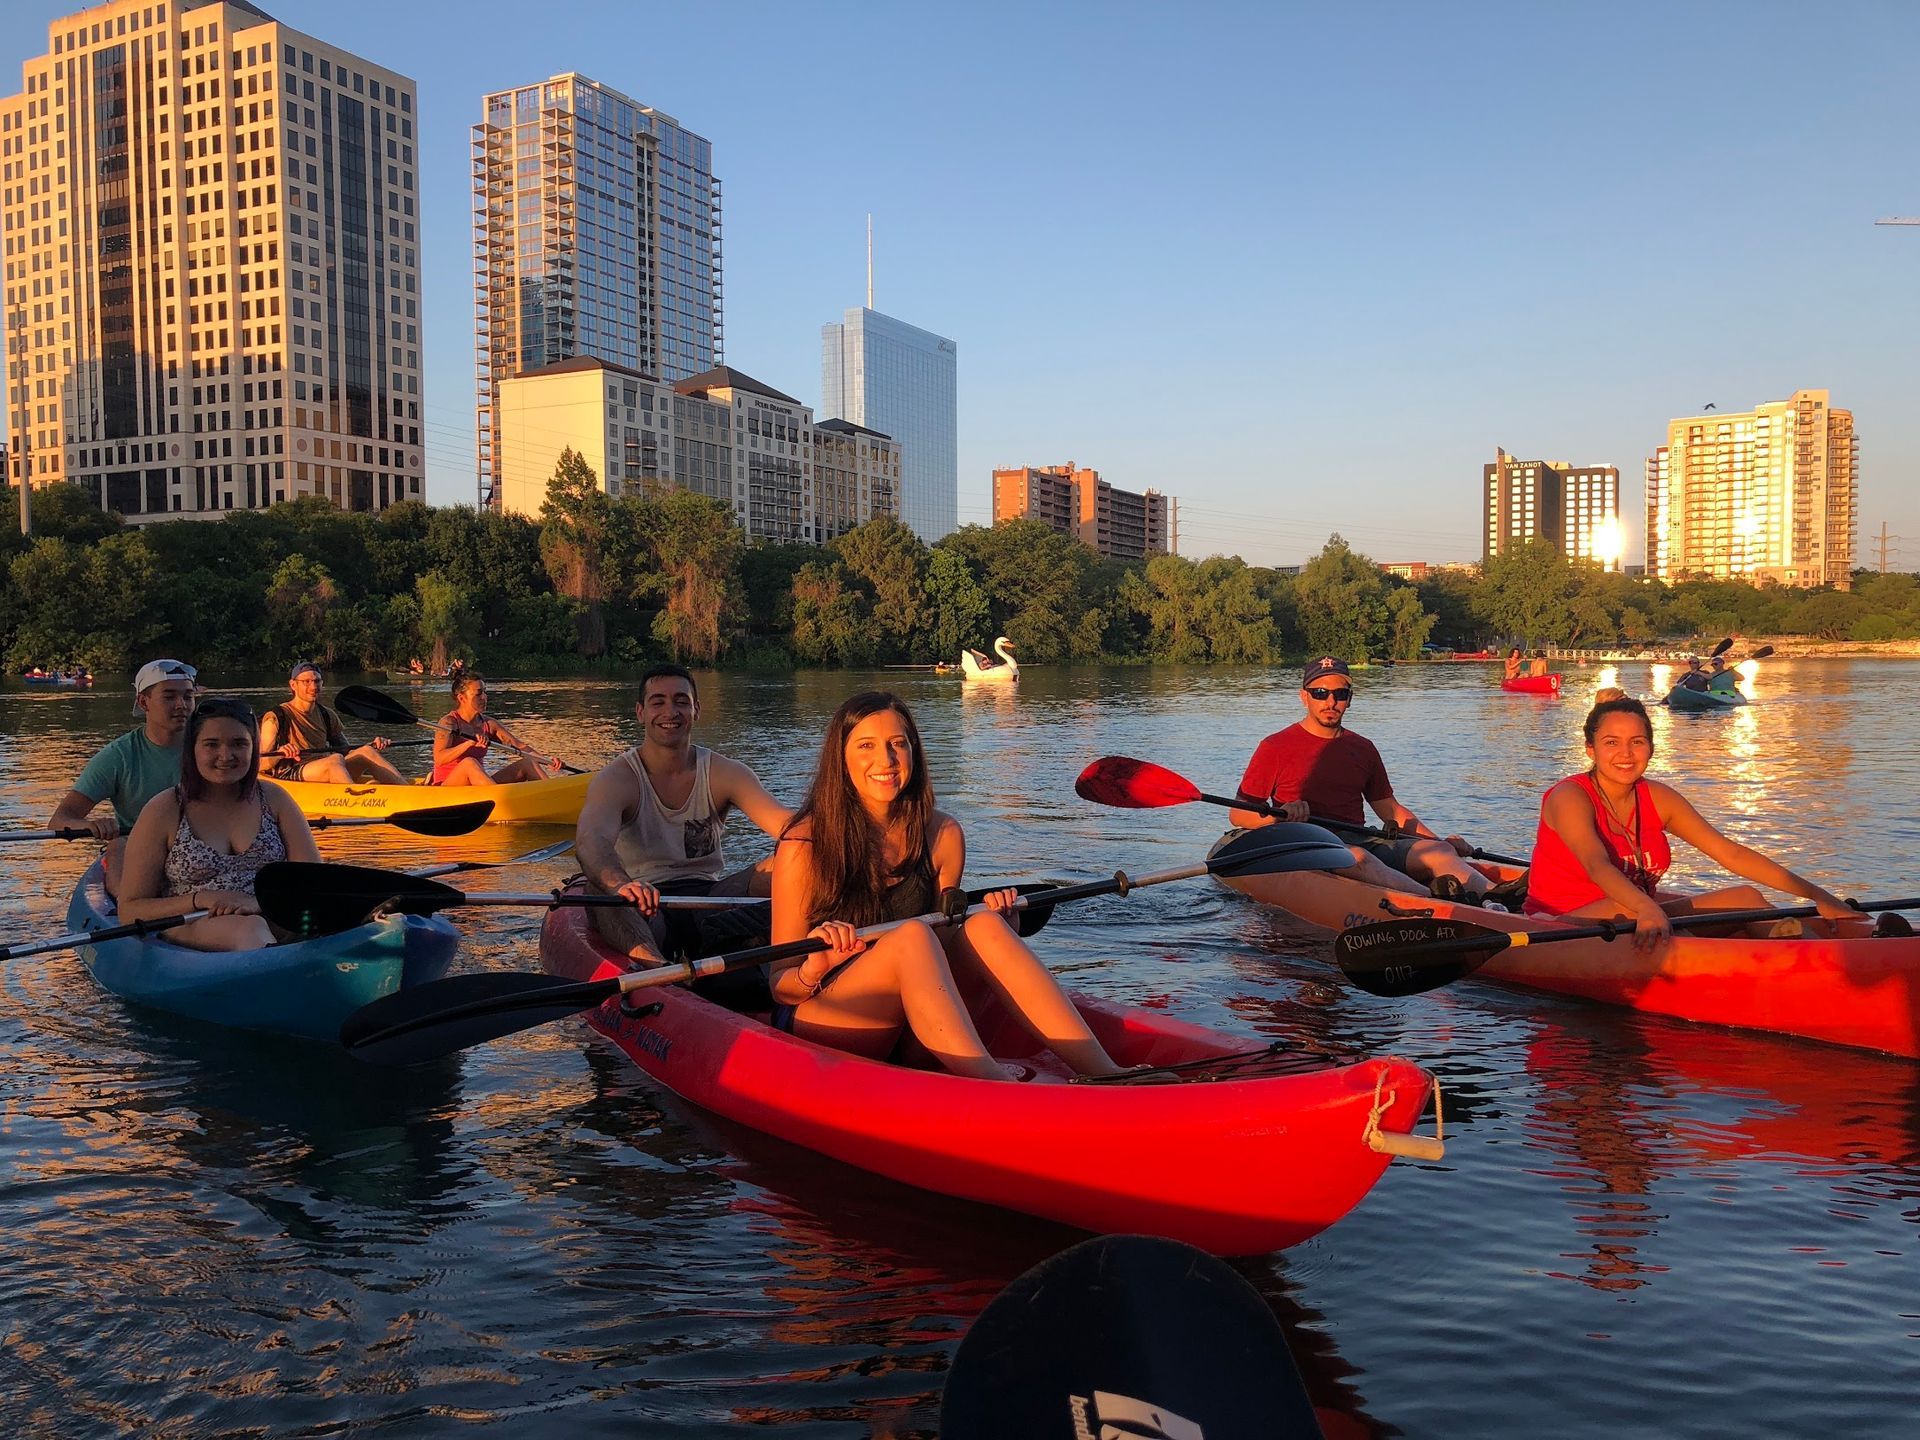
598, 584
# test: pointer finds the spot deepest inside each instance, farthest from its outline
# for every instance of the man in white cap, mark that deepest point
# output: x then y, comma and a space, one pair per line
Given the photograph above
1319, 770
137, 766
301, 739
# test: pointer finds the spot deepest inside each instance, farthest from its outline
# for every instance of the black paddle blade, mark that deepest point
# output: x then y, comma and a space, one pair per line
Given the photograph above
1414, 955
1722, 648
1126, 1335
444, 819
364, 703
1279, 848
532, 857
311, 899
1024, 922
428, 1021
1761, 653
1129, 784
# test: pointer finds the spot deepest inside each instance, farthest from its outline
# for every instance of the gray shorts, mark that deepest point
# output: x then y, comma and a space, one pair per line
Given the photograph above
1391, 851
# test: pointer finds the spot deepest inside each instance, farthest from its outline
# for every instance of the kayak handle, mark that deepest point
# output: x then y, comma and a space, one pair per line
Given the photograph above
1394, 1142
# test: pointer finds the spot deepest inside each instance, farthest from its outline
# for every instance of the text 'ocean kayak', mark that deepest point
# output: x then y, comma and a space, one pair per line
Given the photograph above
532, 802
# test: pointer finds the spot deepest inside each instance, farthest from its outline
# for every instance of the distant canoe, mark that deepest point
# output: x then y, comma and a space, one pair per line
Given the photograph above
1532, 685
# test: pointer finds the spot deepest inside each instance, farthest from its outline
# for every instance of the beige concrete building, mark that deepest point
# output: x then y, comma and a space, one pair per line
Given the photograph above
596, 231
211, 245
1120, 524
1769, 495
1577, 507
721, 433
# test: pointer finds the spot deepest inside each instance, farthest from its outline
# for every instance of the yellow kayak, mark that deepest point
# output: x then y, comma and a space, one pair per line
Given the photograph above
532, 802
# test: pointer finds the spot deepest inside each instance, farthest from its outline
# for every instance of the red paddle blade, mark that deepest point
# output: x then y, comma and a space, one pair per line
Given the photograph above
1133, 784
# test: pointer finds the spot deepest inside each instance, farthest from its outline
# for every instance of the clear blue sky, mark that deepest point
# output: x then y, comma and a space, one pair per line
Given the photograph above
1302, 267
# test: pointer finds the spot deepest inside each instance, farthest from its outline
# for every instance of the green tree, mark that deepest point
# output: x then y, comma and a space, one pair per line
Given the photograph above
694, 549
299, 598
1524, 593
446, 619
1408, 623
957, 613
1342, 599
573, 540
830, 624
892, 562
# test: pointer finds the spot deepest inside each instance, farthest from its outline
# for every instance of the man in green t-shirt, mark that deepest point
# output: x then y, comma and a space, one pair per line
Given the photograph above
136, 767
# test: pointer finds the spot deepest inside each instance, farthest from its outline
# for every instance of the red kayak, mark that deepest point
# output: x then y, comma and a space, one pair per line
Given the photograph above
1532, 685
1863, 992
1237, 1148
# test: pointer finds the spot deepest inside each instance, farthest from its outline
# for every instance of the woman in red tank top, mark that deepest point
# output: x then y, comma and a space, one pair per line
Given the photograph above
1602, 844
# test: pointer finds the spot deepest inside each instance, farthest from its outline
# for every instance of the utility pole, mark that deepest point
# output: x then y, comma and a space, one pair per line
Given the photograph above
1883, 544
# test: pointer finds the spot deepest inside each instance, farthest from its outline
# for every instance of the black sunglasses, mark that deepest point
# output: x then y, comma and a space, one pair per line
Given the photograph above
1344, 694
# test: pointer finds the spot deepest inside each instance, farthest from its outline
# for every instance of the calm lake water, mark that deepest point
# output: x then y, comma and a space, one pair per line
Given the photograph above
1640, 1228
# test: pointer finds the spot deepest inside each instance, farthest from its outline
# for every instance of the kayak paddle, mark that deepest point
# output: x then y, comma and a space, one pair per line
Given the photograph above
112, 932
1142, 785
436, 1019
1127, 1335
1420, 953
441, 820
532, 857
365, 703
323, 899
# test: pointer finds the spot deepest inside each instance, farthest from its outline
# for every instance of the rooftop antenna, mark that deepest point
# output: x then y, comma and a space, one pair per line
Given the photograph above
869, 259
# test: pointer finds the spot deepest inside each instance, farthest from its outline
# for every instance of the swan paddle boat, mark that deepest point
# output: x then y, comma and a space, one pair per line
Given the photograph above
975, 666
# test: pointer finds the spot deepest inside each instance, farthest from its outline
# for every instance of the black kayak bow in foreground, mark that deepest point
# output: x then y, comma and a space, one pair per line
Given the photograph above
1419, 953
441, 820
448, 1015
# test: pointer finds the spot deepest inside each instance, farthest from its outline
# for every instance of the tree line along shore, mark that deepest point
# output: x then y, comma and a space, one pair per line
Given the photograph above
598, 582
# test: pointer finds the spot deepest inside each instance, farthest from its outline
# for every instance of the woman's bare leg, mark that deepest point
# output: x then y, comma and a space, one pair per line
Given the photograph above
902, 979
1031, 993
468, 772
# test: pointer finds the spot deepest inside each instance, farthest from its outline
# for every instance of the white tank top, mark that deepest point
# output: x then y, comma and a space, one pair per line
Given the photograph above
683, 844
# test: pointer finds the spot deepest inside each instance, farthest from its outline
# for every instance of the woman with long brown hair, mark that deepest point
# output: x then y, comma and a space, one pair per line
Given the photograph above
867, 846
199, 845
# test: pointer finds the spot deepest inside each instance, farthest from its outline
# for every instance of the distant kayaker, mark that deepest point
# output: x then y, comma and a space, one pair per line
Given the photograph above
464, 733
1694, 677
654, 823
131, 770
867, 846
198, 845
1721, 678
1602, 845
1515, 663
1537, 666
1320, 770
302, 739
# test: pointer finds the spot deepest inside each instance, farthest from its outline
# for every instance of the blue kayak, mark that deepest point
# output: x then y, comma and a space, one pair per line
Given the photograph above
305, 987
1681, 698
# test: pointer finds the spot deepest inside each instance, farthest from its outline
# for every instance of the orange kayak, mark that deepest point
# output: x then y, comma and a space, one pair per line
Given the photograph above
1230, 1145
1862, 992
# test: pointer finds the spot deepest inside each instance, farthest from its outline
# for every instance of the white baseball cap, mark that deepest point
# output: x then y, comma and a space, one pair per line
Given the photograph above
156, 672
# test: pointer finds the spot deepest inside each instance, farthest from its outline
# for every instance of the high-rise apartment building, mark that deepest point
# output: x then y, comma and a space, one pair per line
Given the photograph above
721, 433
898, 379
1768, 495
596, 231
1576, 507
1120, 524
211, 264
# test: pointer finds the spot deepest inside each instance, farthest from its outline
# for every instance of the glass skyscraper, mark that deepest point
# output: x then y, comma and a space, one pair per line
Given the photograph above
596, 226
900, 380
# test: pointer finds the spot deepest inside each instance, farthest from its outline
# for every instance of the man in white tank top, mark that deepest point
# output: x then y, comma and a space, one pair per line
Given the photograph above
653, 823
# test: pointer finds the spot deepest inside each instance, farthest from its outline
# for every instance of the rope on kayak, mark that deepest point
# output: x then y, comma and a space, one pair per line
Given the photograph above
1273, 1059
1393, 1142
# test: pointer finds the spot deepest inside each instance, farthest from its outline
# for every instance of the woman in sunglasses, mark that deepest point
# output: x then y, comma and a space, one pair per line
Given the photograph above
1321, 771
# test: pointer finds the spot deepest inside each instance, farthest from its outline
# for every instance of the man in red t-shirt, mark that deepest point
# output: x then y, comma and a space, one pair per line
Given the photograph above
1320, 770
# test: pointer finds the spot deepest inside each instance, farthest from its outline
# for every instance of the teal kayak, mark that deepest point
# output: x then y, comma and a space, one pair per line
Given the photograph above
305, 987
1681, 698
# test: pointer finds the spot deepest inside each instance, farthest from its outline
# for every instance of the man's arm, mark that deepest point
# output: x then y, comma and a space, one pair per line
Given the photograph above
732, 783
613, 799
74, 812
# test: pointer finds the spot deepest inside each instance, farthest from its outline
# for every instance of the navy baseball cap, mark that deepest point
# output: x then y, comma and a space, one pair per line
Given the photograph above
1324, 666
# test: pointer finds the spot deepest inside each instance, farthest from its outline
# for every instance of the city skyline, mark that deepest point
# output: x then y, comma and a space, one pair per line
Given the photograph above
1363, 270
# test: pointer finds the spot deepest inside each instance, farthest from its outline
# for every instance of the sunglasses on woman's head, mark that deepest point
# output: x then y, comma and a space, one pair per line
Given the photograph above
1344, 695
